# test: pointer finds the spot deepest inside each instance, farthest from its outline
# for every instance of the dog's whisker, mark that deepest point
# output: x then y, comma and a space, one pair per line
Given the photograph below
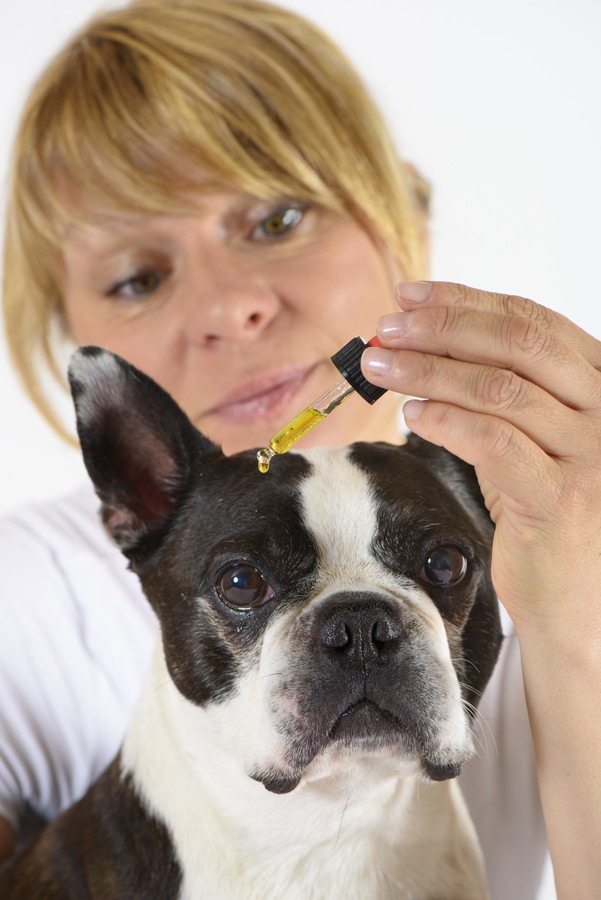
481, 743
157, 687
472, 690
462, 663
344, 809
481, 729
468, 662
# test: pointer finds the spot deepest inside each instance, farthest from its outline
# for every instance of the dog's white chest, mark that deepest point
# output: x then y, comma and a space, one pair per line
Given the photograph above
354, 829
384, 856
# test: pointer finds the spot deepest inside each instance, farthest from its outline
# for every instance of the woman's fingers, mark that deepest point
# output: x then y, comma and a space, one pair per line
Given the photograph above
506, 341
489, 444
411, 295
478, 388
505, 391
483, 356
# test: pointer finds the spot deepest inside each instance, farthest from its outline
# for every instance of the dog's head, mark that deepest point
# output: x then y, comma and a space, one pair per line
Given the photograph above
340, 604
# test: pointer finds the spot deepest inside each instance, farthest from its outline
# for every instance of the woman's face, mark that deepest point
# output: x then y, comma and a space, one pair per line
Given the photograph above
235, 310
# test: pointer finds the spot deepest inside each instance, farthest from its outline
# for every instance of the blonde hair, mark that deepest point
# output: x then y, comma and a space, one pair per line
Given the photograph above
252, 95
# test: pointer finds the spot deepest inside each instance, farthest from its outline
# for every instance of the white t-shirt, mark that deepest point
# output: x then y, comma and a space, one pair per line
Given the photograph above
76, 635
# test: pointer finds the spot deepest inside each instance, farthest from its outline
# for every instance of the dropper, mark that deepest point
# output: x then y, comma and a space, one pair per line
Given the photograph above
348, 363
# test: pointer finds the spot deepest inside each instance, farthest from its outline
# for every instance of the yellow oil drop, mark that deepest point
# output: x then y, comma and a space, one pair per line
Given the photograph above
263, 461
289, 435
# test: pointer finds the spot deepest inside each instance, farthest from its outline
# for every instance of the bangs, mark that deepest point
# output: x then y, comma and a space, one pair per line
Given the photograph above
138, 125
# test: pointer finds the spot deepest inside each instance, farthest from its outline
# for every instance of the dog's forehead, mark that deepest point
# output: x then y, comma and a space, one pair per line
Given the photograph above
360, 477
316, 498
351, 482
337, 502
353, 500
233, 485
337, 498
363, 488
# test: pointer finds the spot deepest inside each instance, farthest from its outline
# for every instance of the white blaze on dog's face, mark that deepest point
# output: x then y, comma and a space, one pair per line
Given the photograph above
339, 605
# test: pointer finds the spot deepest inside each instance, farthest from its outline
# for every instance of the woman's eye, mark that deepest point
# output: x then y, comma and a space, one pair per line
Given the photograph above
139, 285
444, 566
243, 587
278, 222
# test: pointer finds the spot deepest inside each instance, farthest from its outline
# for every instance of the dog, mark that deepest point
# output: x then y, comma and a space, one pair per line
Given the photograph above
326, 631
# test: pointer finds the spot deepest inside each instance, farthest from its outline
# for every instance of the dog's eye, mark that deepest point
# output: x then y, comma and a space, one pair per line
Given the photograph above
444, 566
243, 587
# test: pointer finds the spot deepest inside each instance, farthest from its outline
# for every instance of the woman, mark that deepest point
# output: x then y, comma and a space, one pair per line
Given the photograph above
207, 190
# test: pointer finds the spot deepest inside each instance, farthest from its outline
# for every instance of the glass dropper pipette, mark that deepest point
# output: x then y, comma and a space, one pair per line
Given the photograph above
348, 363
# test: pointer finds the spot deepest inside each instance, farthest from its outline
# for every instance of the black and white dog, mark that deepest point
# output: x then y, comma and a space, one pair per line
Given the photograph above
327, 630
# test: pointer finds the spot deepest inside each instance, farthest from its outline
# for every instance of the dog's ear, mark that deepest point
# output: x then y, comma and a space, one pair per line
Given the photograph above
137, 445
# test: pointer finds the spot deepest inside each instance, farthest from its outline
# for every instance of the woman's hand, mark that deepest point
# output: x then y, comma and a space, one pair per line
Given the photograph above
513, 389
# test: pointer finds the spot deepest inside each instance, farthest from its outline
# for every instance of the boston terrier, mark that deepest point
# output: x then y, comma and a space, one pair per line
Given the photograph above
326, 631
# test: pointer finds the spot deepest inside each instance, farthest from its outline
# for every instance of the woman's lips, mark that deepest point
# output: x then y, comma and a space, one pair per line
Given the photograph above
261, 398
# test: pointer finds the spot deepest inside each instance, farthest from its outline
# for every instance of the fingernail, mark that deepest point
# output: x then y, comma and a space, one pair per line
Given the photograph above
395, 325
414, 291
412, 410
376, 361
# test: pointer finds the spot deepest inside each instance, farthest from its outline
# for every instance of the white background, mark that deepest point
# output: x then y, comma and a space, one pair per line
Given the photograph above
499, 103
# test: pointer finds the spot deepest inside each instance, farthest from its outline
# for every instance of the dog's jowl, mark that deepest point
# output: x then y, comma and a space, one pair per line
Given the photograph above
326, 631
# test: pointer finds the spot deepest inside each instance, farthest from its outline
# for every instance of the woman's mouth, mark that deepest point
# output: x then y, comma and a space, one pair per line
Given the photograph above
261, 398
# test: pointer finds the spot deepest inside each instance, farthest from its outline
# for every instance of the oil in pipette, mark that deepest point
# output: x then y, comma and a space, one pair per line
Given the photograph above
289, 435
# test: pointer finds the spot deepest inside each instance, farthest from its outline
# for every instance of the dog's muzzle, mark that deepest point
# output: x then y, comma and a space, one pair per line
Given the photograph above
363, 673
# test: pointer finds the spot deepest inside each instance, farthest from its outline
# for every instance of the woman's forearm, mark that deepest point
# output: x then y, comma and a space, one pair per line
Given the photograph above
562, 679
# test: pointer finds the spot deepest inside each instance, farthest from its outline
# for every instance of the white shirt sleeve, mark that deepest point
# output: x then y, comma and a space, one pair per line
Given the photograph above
75, 640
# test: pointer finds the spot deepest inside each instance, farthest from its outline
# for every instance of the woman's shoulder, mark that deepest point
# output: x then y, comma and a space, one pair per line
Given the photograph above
71, 519
76, 635
57, 559
62, 535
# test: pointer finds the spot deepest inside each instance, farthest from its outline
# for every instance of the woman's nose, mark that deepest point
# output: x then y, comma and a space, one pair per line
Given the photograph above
234, 308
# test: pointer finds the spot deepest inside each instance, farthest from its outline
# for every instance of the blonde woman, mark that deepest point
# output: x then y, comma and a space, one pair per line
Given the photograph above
207, 189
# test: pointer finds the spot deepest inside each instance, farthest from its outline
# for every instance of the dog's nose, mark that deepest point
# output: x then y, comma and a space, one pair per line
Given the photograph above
367, 630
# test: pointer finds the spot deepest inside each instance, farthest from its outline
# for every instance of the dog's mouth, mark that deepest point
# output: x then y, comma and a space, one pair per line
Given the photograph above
367, 722
366, 726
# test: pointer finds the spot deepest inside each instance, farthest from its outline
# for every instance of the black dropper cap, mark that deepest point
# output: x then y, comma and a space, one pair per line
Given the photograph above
348, 363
